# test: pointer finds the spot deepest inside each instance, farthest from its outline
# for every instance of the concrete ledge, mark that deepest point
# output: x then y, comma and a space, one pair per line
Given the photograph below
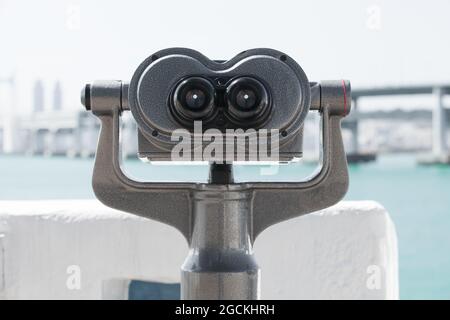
348, 251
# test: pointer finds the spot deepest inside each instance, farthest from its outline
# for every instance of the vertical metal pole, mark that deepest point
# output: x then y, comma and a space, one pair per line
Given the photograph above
9, 119
76, 137
438, 122
220, 264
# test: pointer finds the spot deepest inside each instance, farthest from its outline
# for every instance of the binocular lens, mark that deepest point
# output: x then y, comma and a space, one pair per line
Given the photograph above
247, 98
193, 99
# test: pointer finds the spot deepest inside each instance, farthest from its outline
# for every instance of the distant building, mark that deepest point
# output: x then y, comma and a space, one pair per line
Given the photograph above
38, 96
57, 96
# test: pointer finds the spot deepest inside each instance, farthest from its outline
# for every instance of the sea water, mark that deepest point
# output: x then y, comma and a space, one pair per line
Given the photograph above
417, 198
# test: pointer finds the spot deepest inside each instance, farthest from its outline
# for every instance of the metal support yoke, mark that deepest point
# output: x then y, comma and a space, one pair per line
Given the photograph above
221, 219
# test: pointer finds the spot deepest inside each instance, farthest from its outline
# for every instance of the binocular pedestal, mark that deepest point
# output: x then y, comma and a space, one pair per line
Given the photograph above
221, 219
220, 263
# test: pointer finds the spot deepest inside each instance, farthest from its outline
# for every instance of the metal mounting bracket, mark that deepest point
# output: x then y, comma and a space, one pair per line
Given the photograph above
219, 221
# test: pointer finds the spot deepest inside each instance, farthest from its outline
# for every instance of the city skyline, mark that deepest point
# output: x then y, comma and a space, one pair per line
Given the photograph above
365, 43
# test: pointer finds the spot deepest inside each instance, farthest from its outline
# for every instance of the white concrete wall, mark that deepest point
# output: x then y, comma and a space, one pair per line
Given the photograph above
348, 251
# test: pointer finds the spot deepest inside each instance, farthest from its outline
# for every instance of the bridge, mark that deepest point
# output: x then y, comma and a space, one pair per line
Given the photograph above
56, 131
70, 133
440, 148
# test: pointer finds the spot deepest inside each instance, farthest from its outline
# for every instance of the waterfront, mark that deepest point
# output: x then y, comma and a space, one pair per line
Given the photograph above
416, 197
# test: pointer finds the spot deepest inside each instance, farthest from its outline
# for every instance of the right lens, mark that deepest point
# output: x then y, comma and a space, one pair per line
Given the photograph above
247, 100
193, 99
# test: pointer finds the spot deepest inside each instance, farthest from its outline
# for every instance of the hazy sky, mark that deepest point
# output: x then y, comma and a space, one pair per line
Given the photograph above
369, 42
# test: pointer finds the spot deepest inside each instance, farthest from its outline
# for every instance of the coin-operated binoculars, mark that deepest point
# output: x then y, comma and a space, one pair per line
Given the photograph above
188, 107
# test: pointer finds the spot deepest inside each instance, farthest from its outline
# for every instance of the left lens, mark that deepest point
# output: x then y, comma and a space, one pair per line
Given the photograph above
246, 99
193, 99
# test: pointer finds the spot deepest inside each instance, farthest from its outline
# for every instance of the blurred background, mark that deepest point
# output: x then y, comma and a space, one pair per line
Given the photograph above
394, 53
